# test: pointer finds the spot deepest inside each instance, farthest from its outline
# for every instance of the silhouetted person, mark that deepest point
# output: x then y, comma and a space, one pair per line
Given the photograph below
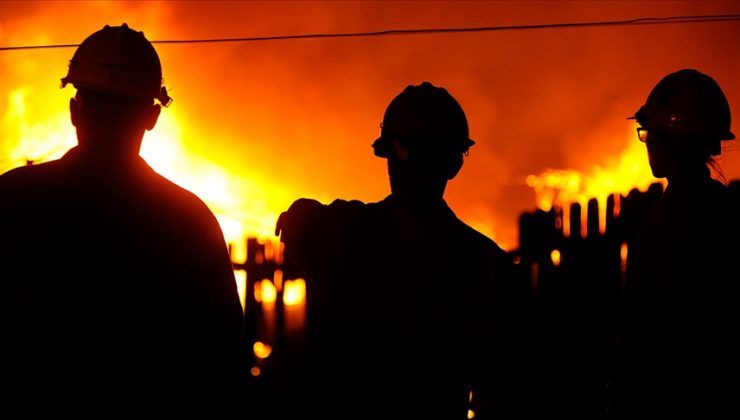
681, 318
408, 306
118, 294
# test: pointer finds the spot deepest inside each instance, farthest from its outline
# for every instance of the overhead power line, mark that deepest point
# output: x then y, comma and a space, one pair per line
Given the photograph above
393, 32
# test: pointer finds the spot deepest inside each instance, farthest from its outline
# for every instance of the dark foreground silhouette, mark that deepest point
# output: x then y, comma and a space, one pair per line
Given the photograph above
681, 356
118, 296
409, 308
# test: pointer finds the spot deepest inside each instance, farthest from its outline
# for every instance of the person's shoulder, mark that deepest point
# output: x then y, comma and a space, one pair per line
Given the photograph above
485, 242
470, 233
29, 174
733, 201
719, 189
180, 198
734, 187
733, 191
14, 176
472, 238
476, 241
164, 185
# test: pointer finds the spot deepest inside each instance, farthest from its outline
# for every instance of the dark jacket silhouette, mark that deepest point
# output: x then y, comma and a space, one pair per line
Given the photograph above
118, 295
408, 308
680, 351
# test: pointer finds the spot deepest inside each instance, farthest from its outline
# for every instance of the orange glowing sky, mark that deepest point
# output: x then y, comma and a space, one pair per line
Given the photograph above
268, 122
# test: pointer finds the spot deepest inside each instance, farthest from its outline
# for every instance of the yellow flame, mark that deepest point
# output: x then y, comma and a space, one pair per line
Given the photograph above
264, 291
262, 350
294, 292
555, 257
26, 141
560, 189
240, 204
244, 206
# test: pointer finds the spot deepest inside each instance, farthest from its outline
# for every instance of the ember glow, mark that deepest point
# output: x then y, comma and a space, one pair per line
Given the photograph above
255, 125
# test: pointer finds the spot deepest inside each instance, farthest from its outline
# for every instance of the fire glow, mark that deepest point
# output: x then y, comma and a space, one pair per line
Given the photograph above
561, 188
239, 204
244, 207
256, 125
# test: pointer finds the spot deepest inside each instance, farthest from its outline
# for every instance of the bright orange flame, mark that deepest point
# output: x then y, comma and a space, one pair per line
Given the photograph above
279, 252
561, 188
294, 292
277, 280
623, 253
264, 291
239, 204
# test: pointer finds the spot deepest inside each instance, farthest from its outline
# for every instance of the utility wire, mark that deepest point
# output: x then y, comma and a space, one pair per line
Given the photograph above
391, 32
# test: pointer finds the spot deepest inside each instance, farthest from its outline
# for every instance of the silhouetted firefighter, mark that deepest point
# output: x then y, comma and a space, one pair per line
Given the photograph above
117, 295
409, 308
681, 356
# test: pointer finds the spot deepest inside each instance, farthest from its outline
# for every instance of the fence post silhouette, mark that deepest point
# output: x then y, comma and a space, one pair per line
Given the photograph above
578, 281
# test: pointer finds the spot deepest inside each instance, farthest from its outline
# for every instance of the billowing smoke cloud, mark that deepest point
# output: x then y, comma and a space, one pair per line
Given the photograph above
300, 115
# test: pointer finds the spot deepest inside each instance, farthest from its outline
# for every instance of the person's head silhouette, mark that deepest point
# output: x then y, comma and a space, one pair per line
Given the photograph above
424, 135
683, 121
118, 75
